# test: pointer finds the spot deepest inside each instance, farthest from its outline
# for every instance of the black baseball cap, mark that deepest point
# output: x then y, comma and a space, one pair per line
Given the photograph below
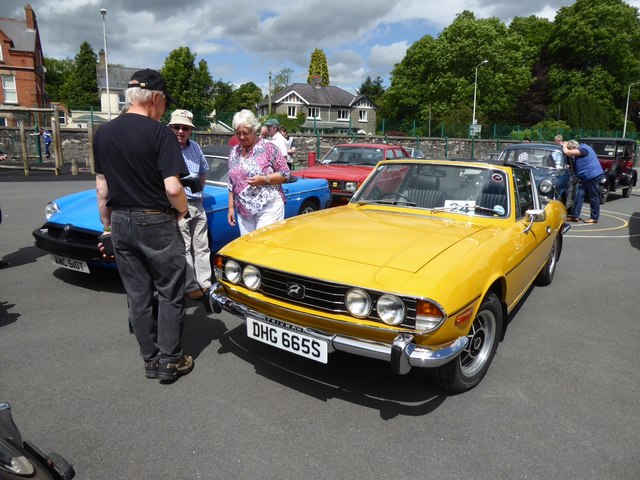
151, 80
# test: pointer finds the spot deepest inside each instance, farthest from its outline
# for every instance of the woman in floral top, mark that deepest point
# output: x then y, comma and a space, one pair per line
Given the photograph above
256, 171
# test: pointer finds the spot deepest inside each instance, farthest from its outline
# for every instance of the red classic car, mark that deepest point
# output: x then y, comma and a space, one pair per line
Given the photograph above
347, 165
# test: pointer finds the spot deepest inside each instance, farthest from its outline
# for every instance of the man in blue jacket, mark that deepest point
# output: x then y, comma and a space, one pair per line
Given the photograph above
589, 172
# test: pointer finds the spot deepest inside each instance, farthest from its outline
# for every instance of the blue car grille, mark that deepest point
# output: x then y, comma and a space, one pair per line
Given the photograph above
325, 296
72, 235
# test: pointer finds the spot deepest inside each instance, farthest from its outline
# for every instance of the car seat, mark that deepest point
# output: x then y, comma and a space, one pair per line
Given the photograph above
424, 192
493, 193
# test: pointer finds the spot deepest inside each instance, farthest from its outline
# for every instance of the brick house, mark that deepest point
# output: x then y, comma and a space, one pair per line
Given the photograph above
328, 110
21, 65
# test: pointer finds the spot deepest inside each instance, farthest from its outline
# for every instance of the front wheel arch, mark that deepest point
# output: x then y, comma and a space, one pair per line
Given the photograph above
469, 368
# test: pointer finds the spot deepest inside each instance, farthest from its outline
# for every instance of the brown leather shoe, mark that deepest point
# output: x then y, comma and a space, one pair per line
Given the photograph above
571, 218
195, 294
591, 220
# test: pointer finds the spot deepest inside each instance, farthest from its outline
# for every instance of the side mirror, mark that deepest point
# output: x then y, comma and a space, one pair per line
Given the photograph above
534, 215
192, 182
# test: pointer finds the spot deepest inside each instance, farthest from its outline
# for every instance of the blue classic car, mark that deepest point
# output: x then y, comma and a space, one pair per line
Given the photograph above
70, 234
552, 169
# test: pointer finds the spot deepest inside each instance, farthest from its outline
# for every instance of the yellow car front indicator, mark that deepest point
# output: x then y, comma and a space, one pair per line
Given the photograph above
428, 316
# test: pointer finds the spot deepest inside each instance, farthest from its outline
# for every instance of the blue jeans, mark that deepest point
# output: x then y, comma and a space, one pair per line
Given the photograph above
150, 257
591, 188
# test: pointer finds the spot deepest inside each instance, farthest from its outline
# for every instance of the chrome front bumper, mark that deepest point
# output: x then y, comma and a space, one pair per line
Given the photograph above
402, 354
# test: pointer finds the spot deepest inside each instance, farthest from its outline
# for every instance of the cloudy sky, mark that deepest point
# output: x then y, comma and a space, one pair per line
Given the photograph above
243, 40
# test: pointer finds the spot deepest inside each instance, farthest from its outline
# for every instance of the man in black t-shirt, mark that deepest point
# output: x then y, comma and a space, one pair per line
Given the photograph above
138, 168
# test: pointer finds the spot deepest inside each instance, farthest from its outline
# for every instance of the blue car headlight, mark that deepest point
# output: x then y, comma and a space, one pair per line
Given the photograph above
50, 209
546, 186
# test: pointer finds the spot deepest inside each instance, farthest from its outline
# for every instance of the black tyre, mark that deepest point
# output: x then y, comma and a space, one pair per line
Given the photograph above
604, 193
545, 277
307, 206
468, 369
626, 193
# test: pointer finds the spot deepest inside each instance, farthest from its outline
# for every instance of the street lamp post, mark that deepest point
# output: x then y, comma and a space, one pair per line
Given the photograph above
103, 11
475, 90
626, 111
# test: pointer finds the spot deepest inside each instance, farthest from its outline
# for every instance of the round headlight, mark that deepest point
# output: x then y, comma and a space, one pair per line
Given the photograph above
391, 309
546, 186
251, 277
358, 303
351, 186
50, 209
232, 271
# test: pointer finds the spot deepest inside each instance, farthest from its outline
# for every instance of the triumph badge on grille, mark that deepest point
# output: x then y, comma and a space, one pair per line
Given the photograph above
295, 291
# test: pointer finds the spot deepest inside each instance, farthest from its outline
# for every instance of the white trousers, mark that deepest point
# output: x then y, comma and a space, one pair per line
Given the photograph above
196, 241
274, 212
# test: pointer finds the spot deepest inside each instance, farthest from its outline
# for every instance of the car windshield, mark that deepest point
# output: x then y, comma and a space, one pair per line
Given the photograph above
612, 149
218, 171
438, 187
537, 157
348, 155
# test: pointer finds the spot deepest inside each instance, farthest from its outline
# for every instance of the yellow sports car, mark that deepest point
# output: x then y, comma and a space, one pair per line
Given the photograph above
420, 269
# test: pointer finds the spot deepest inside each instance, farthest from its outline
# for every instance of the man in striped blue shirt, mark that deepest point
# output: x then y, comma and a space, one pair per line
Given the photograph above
194, 229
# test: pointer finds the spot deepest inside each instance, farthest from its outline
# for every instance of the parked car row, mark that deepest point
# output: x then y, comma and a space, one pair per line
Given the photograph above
70, 233
419, 264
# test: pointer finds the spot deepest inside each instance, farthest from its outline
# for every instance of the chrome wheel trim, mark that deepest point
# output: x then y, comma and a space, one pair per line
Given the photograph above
481, 339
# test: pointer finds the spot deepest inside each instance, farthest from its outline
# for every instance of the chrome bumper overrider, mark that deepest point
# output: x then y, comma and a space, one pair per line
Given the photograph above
403, 353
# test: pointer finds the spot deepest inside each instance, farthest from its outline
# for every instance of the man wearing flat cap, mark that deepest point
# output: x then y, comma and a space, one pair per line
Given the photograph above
275, 137
194, 229
138, 165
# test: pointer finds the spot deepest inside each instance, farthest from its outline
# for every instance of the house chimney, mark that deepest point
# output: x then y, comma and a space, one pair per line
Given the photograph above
31, 17
101, 58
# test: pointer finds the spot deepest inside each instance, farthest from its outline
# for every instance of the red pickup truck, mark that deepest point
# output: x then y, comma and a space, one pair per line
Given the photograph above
347, 165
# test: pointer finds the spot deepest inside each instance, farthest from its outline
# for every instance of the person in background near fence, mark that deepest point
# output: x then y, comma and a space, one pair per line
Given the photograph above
291, 147
558, 140
138, 165
275, 137
257, 169
194, 229
48, 138
589, 172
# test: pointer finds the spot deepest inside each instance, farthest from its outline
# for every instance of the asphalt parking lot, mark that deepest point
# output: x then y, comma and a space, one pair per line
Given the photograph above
560, 400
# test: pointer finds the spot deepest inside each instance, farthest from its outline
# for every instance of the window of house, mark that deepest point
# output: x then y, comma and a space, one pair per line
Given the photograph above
292, 111
362, 115
121, 101
314, 112
62, 118
1, 57
9, 89
343, 114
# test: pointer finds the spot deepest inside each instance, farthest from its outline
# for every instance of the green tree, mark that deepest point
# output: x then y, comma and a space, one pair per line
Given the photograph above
373, 89
80, 89
318, 68
440, 74
593, 58
281, 80
247, 96
190, 87
57, 72
224, 101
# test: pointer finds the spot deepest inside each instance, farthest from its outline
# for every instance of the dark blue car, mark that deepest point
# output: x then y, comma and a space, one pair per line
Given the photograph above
70, 234
552, 169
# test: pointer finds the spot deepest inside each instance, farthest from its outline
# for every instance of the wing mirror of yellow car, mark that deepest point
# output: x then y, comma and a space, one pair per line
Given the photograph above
534, 215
